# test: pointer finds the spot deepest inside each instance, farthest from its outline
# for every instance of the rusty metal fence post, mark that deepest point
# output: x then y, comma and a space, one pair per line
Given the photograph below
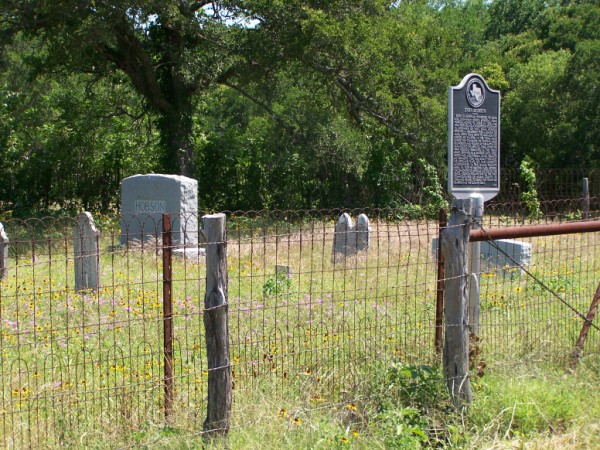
167, 242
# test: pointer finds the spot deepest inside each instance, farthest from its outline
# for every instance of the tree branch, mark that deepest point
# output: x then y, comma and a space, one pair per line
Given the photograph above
131, 58
359, 102
278, 119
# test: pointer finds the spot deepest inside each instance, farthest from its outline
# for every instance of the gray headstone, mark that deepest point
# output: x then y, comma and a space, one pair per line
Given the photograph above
3, 252
492, 253
190, 253
145, 198
363, 233
496, 255
87, 256
344, 238
282, 269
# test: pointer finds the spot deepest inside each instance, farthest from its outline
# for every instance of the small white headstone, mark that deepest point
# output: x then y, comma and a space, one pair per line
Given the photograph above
145, 198
87, 256
3, 252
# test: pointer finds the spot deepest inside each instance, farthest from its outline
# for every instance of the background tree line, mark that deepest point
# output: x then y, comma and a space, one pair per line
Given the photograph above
282, 104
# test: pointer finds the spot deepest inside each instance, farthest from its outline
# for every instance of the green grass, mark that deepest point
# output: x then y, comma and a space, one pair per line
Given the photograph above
516, 407
340, 354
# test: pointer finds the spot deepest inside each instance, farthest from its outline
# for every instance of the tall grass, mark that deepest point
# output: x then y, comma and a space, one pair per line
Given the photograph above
339, 353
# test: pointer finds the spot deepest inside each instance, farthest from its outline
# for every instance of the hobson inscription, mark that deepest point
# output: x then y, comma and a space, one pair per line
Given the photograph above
473, 138
150, 206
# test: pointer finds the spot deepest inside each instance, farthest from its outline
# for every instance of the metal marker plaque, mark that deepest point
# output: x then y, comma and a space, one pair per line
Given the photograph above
473, 139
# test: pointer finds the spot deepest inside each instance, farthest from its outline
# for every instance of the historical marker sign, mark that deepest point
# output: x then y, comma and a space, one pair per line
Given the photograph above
473, 138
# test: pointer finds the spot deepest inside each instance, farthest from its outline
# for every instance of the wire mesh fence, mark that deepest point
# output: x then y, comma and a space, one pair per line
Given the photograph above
304, 320
550, 185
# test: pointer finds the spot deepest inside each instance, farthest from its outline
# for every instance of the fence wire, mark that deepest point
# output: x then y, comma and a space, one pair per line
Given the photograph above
304, 322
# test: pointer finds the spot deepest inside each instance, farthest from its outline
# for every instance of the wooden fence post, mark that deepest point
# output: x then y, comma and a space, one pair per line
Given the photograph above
455, 242
216, 327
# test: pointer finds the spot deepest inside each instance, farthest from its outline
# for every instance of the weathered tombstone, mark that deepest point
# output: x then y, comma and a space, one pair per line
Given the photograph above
494, 253
3, 252
506, 254
145, 198
87, 256
190, 253
344, 238
363, 233
283, 270
348, 239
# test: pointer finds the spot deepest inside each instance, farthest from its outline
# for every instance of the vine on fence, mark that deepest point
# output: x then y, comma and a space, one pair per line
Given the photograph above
529, 196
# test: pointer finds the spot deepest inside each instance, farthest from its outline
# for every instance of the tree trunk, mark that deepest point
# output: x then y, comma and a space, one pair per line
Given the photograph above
176, 128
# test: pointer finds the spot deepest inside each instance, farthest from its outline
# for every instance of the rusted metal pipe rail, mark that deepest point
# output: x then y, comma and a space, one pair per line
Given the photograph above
522, 231
549, 230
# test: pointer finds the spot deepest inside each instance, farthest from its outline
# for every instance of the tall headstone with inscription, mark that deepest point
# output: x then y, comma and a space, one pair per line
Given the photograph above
145, 198
473, 139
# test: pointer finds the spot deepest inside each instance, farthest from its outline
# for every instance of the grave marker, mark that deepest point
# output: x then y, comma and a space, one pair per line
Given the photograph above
145, 198
344, 238
363, 233
348, 238
493, 254
87, 256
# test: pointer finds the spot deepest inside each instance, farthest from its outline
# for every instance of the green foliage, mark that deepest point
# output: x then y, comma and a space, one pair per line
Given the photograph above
551, 108
534, 110
279, 284
529, 194
494, 76
433, 194
514, 16
68, 141
409, 399
534, 404
297, 104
